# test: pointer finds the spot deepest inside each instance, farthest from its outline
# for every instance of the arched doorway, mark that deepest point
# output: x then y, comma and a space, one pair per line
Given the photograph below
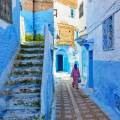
62, 61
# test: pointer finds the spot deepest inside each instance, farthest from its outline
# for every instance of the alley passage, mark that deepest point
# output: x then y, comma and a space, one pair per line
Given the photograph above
72, 104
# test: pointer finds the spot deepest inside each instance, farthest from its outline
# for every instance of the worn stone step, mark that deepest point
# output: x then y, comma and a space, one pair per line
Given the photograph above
30, 55
26, 73
23, 114
23, 82
29, 61
20, 95
16, 77
26, 89
20, 78
32, 49
19, 62
25, 51
19, 90
33, 57
6, 92
37, 68
28, 64
23, 103
32, 45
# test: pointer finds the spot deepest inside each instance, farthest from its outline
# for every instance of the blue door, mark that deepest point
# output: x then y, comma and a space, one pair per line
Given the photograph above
59, 62
90, 79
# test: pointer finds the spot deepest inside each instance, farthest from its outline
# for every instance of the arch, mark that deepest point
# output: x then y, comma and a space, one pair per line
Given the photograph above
66, 65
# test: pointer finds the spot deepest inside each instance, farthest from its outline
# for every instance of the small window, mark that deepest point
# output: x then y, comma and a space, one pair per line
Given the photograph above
6, 10
72, 13
108, 34
81, 10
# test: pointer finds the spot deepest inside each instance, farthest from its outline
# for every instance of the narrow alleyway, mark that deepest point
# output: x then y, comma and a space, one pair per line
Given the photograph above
73, 104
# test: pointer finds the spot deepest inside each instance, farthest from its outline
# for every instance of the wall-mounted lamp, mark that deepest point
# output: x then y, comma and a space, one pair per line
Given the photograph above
20, 6
57, 37
55, 12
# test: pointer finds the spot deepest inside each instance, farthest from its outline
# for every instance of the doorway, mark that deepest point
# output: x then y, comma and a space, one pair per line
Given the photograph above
60, 63
90, 82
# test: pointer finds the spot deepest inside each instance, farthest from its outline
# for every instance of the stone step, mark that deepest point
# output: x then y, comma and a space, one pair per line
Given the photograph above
16, 76
20, 95
37, 68
23, 114
28, 64
25, 90
23, 82
28, 103
21, 78
32, 49
32, 45
26, 73
30, 57
25, 51
18, 90
29, 61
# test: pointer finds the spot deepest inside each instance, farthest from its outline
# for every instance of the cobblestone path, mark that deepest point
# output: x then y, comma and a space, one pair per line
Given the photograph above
73, 104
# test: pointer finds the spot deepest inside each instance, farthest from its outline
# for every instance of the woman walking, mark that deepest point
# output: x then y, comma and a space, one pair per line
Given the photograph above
75, 75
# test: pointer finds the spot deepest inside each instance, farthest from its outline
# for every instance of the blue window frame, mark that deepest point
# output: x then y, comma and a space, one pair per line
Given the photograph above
108, 34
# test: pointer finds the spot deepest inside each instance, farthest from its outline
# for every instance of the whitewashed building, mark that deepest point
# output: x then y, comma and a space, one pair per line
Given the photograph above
102, 42
66, 21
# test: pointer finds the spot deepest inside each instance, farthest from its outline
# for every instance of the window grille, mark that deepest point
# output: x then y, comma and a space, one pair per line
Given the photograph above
108, 34
81, 10
6, 10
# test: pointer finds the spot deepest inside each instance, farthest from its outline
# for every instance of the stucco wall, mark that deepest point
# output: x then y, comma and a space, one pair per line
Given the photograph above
47, 90
106, 63
28, 19
42, 18
64, 14
37, 20
9, 39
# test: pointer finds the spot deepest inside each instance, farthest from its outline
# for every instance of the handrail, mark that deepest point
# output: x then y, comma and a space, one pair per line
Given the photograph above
47, 88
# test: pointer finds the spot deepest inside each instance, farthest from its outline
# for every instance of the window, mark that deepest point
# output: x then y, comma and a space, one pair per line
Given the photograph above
81, 10
108, 34
6, 10
72, 13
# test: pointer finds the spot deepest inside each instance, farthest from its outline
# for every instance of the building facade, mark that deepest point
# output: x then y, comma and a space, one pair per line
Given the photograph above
9, 35
37, 14
102, 43
66, 30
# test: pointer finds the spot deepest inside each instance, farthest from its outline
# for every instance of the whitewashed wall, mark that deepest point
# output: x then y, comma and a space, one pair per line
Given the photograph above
64, 14
97, 12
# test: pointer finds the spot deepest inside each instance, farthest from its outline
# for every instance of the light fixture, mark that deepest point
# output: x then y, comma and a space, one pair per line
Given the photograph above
55, 12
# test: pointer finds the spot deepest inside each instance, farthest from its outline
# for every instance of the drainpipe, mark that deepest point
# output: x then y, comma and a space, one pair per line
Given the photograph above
34, 31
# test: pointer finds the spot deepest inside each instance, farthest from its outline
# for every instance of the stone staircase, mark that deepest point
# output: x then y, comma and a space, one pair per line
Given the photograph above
22, 92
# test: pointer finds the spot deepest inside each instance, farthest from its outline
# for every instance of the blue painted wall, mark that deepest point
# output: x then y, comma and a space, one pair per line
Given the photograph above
9, 39
42, 18
28, 17
37, 21
107, 82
